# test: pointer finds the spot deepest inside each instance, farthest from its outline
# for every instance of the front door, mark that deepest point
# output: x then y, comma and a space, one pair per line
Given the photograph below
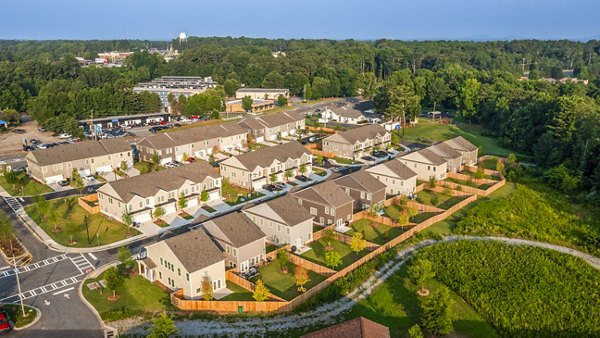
339, 223
298, 242
244, 266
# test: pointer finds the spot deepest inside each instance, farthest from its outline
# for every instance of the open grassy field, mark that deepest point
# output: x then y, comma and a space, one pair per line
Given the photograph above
473, 133
70, 219
26, 187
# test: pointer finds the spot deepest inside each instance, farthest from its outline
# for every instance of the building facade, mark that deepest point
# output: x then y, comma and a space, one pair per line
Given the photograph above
396, 176
426, 164
262, 93
356, 143
327, 203
365, 189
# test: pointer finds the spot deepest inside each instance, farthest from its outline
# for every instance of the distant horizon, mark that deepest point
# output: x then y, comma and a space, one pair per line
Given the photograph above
434, 20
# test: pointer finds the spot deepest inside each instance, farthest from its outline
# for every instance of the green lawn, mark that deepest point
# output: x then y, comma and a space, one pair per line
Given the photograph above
317, 254
379, 235
319, 172
393, 211
284, 284
471, 132
16, 314
474, 175
145, 167
342, 160
490, 163
239, 293
27, 187
467, 183
395, 304
208, 208
70, 220
137, 296
437, 199
233, 194
421, 217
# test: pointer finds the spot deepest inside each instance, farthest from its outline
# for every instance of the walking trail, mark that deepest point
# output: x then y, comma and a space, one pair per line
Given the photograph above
327, 313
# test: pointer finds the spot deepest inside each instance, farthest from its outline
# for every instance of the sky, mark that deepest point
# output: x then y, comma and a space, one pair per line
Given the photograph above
332, 19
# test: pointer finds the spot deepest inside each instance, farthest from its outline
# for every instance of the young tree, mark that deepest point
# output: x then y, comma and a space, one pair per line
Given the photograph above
124, 256
332, 259
182, 202
114, 280
155, 160
511, 160
499, 166
282, 258
185, 157
415, 331
480, 172
126, 218
124, 166
53, 219
158, 212
76, 180
261, 293
327, 237
204, 196
247, 103
358, 243
273, 177
436, 312
320, 159
282, 101
288, 174
302, 168
42, 205
163, 326
419, 271
206, 288
301, 276
432, 182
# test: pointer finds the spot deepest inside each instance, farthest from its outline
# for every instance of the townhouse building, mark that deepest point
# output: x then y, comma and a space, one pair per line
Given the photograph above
139, 196
283, 221
262, 93
198, 142
365, 189
254, 169
359, 142
426, 164
270, 127
343, 114
241, 241
55, 164
396, 176
327, 202
468, 150
453, 157
184, 262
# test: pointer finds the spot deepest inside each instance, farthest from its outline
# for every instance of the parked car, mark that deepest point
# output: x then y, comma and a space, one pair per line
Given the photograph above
367, 158
89, 178
280, 185
4, 322
317, 110
302, 178
380, 154
177, 124
92, 189
28, 148
269, 187
169, 165
42, 129
74, 139
176, 163
35, 141
63, 183
43, 146
65, 136
191, 159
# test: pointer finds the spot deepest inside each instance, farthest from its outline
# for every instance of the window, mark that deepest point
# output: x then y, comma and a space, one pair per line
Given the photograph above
161, 261
278, 227
234, 252
332, 212
287, 230
326, 210
159, 275
179, 271
187, 276
141, 204
433, 168
147, 201
369, 196
362, 194
349, 217
313, 211
428, 167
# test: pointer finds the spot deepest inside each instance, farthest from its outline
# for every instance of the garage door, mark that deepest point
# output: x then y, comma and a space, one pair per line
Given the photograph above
260, 139
170, 208
54, 179
192, 203
104, 169
165, 160
143, 217
85, 172
213, 195
284, 134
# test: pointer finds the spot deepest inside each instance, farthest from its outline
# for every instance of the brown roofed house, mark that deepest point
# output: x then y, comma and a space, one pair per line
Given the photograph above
327, 202
356, 143
359, 327
426, 164
467, 149
397, 177
365, 189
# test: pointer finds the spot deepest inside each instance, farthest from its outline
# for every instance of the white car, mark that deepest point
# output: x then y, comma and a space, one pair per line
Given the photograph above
64, 135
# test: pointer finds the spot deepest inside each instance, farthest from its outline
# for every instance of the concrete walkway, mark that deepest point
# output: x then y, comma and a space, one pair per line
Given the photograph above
327, 313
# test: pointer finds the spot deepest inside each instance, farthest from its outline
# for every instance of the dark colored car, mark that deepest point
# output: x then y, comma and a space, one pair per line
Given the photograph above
302, 178
191, 159
4, 323
367, 158
177, 124
28, 148
380, 154
63, 183
269, 187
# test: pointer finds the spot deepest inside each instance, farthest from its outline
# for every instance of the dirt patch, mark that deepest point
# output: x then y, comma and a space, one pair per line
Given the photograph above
12, 143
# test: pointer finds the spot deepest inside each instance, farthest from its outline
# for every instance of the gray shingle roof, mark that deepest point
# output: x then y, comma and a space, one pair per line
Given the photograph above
431, 156
397, 167
460, 142
288, 209
264, 157
238, 228
445, 150
195, 250
347, 112
361, 181
271, 120
358, 134
187, 136
326, 193
169, 179
79, 151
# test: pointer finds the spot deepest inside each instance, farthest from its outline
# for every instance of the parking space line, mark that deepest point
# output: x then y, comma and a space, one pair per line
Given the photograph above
62, 291
92, 255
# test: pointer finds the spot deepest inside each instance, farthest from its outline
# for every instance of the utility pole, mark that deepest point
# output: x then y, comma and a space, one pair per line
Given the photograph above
17, 276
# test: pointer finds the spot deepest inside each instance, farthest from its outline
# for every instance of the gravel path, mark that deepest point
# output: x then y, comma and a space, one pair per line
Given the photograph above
327, 313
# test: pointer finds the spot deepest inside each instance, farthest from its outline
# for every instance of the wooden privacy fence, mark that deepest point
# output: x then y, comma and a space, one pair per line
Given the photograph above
474, 191
89, 203
224, 306
321, 130
490, 172
246, 284
311, 265
467, 178
322, 153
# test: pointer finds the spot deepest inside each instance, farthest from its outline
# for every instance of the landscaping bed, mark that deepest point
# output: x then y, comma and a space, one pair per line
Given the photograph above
185, 215
379, 234
284, 284
209, 208
317, 254
70, 223
235, 195
319, 172
26, 186
161, 223
16, 314
137, 296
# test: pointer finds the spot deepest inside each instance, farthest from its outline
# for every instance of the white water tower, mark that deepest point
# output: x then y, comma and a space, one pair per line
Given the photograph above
182, 37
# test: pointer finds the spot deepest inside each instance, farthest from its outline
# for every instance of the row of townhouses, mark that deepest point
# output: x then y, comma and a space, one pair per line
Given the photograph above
88, 158
356, 143
270, 127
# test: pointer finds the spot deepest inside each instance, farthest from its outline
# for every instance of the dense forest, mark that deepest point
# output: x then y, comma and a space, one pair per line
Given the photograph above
557, 124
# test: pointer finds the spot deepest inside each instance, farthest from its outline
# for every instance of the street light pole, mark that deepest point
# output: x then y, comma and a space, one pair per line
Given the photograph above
17, 276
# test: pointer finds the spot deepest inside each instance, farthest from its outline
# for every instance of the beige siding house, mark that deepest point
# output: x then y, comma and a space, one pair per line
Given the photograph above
88, 157
452, 157
242, 242
141, 195
467, 149
183, 262
262, 93
344, 115
195, 142
397, 177
269, 127
356, 143
365, 189
327, 203
252, 170
283, 220
426, 164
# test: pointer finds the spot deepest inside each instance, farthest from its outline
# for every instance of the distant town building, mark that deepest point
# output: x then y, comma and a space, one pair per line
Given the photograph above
177, 85
262, 93
236, 106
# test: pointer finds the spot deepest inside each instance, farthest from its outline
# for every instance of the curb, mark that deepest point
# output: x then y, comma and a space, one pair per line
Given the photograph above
86, 303
37, 319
